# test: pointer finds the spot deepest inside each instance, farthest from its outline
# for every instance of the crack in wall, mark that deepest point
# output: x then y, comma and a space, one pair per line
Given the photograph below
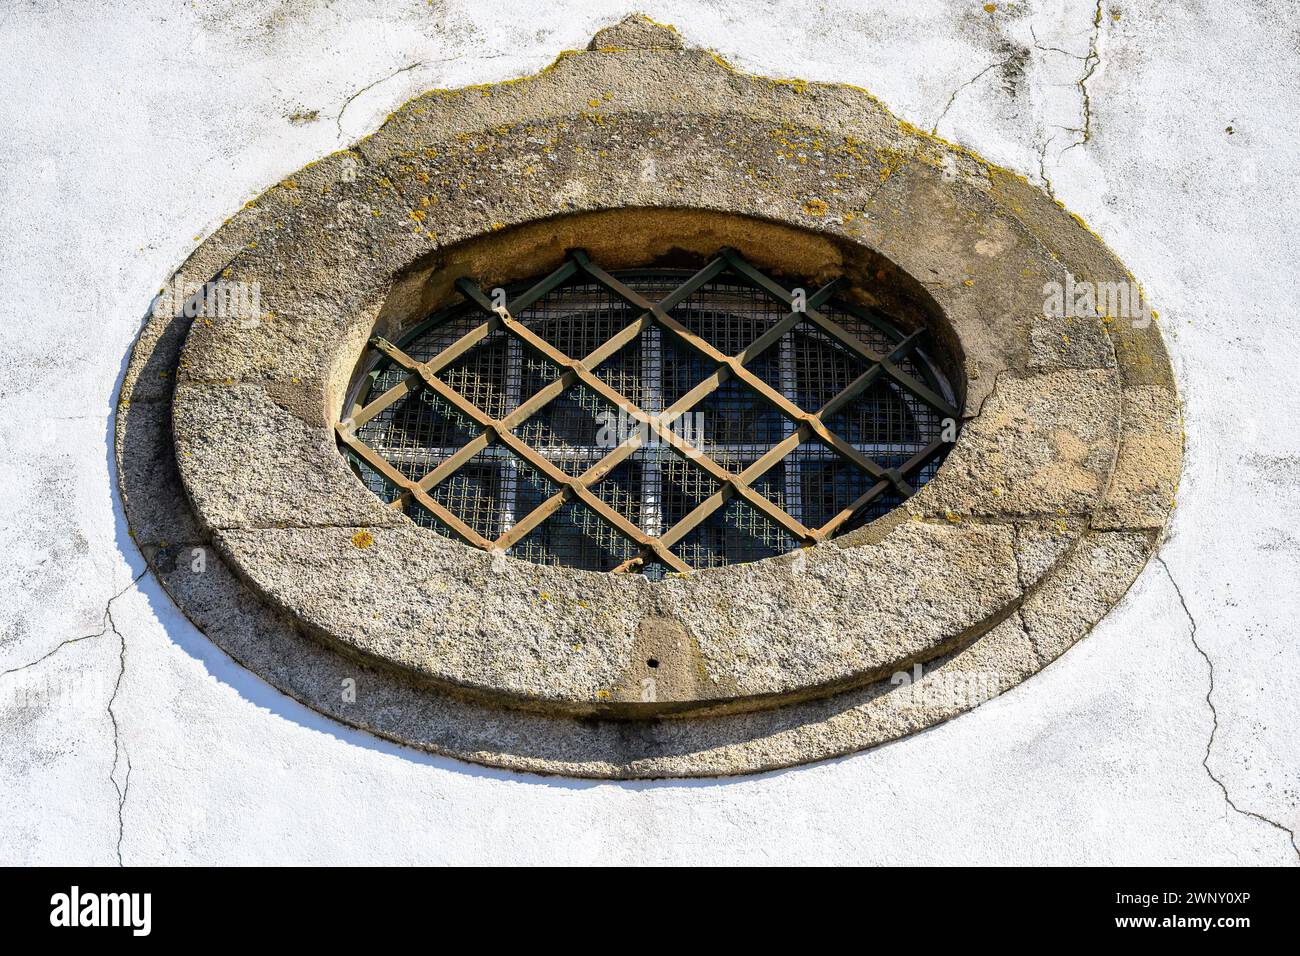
993, 390
957, 92
1090, 60
58, 647
1042, 166
105, 621
1090, 64
119, 749
1214, 713
338, 119
1051, 49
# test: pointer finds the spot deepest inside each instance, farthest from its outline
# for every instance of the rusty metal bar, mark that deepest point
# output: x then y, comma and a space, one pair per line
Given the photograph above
737, 369
522, 449
375, 461
654, 423
436, 364
808, 425
844, 337
917, 461
864, 381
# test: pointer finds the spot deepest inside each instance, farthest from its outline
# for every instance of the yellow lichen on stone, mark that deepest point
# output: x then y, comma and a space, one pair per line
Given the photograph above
363, 540
799, 86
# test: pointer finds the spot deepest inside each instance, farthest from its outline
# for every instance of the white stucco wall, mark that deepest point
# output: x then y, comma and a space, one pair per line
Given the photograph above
132, 130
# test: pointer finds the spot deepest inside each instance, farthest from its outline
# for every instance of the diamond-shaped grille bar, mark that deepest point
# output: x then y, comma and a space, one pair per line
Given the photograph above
527, 466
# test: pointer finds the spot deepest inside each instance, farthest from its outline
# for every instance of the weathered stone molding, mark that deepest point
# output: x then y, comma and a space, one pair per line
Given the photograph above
1046, 508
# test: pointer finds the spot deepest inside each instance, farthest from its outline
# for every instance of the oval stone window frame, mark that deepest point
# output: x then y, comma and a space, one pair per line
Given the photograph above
653, 420
1049, 504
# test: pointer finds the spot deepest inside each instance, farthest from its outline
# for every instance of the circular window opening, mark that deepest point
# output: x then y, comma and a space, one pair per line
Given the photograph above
654, 420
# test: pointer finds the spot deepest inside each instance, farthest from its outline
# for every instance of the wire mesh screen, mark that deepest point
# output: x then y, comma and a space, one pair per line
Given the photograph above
653, 420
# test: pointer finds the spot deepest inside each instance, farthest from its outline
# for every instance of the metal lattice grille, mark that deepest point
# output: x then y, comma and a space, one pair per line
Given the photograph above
651, 420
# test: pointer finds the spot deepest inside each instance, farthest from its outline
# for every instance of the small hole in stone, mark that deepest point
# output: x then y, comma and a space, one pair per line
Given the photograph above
653, 662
